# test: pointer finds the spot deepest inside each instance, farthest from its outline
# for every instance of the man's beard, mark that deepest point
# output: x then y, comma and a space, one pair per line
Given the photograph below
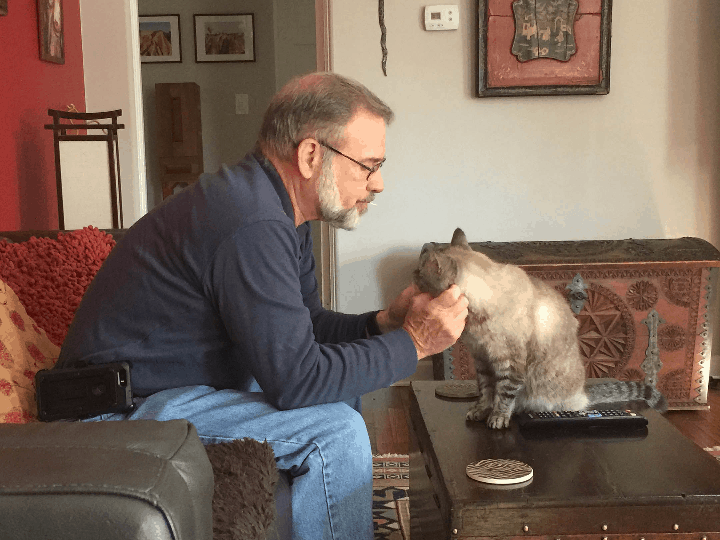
331, 209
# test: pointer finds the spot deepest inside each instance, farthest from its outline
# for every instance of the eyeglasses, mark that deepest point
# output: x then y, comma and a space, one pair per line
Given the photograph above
370, 170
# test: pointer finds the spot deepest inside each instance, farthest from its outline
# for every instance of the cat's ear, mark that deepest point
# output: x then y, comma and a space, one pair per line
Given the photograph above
432, 265
460, 240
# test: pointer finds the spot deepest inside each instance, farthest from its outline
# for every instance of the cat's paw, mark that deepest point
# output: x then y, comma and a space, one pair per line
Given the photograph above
498, 421
478, 412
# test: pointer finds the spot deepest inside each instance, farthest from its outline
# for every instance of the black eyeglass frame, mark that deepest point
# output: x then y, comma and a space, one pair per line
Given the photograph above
370, 170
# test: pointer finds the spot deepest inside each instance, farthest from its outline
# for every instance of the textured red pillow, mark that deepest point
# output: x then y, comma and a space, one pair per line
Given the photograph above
51, 276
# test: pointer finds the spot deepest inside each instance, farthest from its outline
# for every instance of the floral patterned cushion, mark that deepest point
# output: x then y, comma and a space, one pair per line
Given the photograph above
24, 350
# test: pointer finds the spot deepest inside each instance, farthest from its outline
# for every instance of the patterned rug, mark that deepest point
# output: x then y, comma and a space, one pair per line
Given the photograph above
391, 506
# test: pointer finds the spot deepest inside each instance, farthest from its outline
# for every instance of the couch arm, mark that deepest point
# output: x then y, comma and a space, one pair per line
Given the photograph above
140, 479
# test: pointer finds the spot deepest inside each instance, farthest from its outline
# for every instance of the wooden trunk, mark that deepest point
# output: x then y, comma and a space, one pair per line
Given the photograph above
646, 308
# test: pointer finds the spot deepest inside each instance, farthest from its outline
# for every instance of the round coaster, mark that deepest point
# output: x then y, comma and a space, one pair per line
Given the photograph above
499, 471
462, 390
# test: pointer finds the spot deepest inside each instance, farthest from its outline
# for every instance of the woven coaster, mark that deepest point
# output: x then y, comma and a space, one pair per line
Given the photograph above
499, 471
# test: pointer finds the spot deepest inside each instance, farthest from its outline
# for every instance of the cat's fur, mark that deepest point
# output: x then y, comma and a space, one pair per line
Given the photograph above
522, 335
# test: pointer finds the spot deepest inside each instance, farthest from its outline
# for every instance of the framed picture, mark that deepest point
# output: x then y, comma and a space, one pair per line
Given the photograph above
543, 47
160, 38
51, 31
3, 7
224, 38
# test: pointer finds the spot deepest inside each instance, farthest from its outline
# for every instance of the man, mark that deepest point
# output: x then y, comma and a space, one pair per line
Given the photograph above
212, 299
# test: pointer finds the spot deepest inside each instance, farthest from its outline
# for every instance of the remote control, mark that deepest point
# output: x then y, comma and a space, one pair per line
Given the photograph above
592, 419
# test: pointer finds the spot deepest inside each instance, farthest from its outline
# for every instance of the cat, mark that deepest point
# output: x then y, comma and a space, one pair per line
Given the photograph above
522, 335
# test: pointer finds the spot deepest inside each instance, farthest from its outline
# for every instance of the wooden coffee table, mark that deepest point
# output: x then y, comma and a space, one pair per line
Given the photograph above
655, 485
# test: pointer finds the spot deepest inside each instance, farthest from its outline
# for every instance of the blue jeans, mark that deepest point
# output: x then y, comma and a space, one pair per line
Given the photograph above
324, 449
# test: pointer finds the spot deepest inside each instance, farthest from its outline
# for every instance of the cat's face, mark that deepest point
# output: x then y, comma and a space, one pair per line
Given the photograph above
438, 266
436, 271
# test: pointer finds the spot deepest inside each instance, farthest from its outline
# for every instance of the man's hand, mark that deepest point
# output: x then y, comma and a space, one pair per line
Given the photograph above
436, 323
393, 317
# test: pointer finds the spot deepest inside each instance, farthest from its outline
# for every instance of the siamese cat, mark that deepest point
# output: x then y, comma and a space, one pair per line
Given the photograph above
522, 336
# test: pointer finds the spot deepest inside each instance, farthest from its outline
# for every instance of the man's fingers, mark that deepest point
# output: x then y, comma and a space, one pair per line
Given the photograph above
449, 296
421, 300
462, 314
436, 323
452, 300
463, 304
411, 290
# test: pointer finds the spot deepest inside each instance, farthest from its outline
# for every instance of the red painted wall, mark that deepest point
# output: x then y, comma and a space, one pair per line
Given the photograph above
28, 88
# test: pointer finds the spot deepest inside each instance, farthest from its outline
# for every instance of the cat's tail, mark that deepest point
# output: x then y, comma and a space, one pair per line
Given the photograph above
618, 391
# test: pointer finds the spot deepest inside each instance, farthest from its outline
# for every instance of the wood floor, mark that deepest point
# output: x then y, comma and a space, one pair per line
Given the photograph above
386, 411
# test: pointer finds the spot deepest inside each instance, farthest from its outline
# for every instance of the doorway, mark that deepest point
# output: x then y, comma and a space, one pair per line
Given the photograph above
291, 37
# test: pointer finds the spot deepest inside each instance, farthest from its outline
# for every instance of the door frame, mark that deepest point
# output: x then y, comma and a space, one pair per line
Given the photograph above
328, 234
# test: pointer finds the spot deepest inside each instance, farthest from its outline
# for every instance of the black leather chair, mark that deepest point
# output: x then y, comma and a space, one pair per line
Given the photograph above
140, 480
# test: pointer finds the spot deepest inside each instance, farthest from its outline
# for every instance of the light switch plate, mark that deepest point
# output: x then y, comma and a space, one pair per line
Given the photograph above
444, 17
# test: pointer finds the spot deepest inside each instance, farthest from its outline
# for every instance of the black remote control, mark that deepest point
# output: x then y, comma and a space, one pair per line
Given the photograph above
579, 420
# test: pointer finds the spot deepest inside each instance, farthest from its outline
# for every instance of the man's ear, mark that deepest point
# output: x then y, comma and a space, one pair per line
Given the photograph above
309, 157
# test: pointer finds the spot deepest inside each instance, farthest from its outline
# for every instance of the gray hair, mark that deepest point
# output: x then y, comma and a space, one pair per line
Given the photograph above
319, 106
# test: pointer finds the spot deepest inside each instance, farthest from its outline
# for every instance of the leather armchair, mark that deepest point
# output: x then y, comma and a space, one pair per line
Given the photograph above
141, 480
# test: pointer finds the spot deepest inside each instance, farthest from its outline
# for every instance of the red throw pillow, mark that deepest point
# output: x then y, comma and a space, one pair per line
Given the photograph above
51, 276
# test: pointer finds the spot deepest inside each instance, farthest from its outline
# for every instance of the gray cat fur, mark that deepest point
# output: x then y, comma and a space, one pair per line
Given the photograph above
522, 335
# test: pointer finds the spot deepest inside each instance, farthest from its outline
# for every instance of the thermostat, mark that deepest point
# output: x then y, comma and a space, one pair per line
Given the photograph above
442, 17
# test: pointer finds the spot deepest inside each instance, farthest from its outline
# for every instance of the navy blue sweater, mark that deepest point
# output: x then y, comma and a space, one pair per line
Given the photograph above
216, 285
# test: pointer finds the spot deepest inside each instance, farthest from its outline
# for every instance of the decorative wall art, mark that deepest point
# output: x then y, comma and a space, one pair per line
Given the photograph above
543, 47
224, 38
3, 7
160, 38
51, 31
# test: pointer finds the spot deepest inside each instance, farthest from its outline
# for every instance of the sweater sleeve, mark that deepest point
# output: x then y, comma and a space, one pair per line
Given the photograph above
256, 283
328, 326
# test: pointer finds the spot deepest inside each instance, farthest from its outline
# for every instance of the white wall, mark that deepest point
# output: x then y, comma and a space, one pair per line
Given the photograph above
641, 162
111, 82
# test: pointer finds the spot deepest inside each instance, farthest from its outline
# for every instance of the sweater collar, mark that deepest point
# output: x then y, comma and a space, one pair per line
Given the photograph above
276, 182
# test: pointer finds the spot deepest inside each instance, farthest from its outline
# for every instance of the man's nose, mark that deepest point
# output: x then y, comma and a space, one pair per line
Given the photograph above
376, 184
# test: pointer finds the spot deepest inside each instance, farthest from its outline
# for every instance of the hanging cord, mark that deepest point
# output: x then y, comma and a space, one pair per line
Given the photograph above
72, 108
383, 35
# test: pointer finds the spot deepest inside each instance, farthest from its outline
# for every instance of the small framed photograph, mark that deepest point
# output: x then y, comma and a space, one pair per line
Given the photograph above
224, 38
3, 7
160, 38
51, 31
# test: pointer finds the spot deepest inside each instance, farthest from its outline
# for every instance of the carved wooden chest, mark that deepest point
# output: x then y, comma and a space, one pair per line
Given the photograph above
645, 307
